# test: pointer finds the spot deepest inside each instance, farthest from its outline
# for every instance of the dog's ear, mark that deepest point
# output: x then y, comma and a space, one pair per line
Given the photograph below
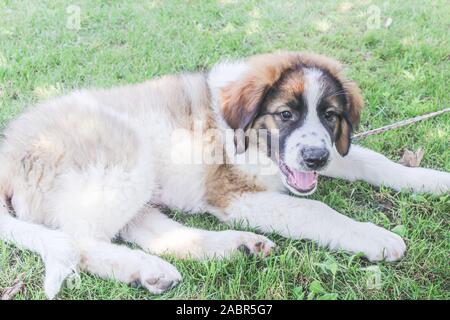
351, 117
241, 101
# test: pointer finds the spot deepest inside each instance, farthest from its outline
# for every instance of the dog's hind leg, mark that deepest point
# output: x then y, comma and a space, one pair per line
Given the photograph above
374, 168
56, 248
134, 267
157, 233
92, 206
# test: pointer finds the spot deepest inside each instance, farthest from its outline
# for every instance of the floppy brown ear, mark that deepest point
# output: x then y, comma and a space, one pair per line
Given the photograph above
351, 118
241, 101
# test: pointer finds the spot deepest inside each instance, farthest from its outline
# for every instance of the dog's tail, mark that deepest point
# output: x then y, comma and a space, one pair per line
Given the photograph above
55, 247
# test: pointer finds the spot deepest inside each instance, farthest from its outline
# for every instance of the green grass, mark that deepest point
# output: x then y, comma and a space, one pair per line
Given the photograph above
403, 69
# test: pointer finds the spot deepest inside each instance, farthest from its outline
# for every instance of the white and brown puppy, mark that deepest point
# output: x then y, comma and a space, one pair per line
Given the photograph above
81, 169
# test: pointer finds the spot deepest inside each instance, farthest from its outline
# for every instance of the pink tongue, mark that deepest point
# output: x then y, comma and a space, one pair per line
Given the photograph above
302, 180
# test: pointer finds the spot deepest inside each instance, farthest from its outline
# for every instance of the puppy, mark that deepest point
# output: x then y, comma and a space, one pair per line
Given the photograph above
81, 169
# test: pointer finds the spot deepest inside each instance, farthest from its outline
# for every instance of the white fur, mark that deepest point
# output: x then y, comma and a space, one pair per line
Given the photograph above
156, 233
309, 219
55, 247
108, 260
225, 72
313, 87
312, 133
374, 168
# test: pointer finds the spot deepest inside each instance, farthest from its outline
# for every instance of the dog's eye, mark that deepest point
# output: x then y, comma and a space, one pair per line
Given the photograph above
330, 115
286, 115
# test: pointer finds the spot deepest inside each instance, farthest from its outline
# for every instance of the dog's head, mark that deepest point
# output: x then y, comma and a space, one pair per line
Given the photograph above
305, 100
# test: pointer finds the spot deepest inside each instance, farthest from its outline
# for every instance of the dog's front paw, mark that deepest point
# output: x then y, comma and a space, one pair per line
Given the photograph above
225, 243
375, 242
427, 181
255, 244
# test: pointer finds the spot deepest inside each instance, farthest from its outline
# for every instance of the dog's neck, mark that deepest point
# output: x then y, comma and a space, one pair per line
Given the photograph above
221, 75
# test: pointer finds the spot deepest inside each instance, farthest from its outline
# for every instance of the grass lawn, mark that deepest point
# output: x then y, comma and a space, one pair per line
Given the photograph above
398, 51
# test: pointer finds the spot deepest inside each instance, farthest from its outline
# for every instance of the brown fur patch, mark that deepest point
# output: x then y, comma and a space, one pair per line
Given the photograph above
355, 100
270, 123
343, 143
135, 276
225, 182
83, 259
355, 105
294, 84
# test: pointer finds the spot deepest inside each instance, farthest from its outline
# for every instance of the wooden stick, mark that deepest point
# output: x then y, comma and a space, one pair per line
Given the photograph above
399, 124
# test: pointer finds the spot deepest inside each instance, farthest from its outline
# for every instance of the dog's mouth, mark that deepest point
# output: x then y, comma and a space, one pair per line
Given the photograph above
303, 182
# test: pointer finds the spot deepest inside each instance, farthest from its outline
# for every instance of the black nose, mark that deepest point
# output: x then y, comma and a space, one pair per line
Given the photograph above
314, 157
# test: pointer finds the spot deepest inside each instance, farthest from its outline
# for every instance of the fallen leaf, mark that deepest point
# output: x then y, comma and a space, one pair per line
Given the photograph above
412, 159
10, 292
